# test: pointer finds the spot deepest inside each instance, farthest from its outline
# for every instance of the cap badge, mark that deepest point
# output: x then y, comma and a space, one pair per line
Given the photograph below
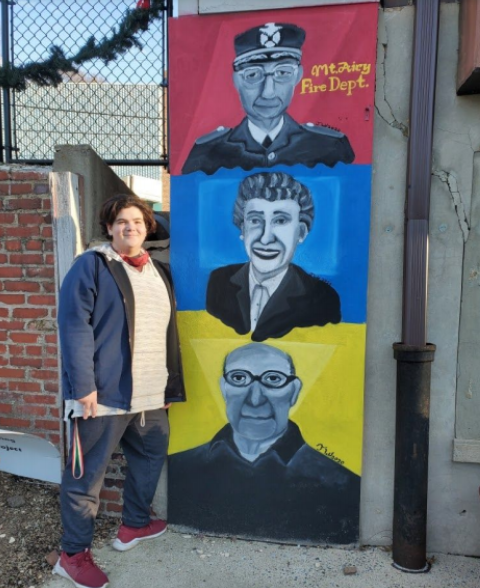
270, 35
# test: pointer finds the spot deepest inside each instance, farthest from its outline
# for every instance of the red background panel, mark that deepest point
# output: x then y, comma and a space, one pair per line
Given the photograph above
203, 97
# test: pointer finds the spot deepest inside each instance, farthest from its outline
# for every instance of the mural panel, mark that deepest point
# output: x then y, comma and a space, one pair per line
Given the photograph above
271, 142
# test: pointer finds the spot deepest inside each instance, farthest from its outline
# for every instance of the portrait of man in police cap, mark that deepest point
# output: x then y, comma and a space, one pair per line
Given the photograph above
266, 70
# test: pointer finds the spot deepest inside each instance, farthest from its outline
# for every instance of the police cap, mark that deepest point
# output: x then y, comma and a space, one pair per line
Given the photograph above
268, 42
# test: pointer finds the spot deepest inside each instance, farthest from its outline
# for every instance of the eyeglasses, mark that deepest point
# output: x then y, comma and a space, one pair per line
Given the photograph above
281, 74
269, 379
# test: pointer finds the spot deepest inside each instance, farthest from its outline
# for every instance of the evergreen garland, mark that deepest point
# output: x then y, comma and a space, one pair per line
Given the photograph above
49, 72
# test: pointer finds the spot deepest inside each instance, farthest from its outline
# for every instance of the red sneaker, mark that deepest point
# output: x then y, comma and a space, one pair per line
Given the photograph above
128, 537
81, 570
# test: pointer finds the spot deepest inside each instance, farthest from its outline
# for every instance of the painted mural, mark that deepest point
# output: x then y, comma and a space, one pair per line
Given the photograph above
271, 142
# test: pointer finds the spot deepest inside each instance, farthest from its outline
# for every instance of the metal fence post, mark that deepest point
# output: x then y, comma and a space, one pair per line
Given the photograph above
6, 92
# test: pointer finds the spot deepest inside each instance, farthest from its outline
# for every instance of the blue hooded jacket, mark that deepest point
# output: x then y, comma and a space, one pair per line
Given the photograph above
96, 319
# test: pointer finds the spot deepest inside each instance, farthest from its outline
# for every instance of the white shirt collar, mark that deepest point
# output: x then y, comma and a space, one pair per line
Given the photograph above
271, 284
259, 134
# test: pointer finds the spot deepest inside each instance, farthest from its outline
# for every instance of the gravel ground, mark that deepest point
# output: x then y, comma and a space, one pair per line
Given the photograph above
30, 530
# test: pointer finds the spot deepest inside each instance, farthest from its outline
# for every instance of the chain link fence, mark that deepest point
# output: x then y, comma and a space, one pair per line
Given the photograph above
120, 109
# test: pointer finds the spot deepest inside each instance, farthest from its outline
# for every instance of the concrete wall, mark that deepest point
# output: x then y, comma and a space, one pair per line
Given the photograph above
99, 182
454, 507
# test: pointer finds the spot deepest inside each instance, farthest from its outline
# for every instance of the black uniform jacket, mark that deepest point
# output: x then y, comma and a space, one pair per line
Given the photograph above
307, 144
301, 300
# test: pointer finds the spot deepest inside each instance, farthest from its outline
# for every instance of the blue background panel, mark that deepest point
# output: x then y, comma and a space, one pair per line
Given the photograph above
336, 249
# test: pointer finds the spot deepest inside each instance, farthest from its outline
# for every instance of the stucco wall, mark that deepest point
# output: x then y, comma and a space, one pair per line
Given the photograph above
454, 506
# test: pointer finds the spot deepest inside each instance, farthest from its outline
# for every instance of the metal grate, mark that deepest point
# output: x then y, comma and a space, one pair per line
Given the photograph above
119, 109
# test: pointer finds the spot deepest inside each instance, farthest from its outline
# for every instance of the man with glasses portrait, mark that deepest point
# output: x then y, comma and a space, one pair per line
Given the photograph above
266, 71
258, 466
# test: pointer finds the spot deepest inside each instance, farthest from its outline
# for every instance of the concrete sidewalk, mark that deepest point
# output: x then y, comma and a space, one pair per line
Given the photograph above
178, 560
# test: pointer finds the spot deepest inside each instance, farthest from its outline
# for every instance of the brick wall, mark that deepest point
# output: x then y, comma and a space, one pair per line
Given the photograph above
28, 339
28, 336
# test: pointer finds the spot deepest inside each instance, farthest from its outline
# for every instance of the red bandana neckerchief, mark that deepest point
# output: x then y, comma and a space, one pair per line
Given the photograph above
137, 261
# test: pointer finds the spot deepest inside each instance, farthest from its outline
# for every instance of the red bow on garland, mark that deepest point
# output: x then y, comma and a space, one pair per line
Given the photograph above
144, 4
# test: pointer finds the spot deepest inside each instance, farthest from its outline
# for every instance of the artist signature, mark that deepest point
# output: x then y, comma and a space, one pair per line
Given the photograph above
320, 447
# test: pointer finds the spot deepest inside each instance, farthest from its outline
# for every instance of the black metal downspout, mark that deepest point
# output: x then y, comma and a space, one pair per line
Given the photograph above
414, 355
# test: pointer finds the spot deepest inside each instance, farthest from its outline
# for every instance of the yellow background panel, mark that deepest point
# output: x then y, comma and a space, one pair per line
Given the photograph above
328, 360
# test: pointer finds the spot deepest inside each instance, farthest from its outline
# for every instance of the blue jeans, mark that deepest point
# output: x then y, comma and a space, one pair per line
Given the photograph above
145, 449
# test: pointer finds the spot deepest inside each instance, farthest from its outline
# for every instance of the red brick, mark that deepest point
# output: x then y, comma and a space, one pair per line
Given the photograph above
46, 204
16, 349
3, 360
41, 189
54, 412
42, 300
51, 386
49, 259
48, 286
26, 387
48, 425
50, 362
4, 312
51, 339
18, 231
3, 335
27, 175
31, 410
12, 299
16, 423
24, 337
40, 272
24, 188
13, 245
33, 350
47, 232
53, 312
112, 507
54, 438
30, 312
12, 325
22, 286
26, 259
11, 373
34, 219
34, 362
39, 399
3, 349
10, 272
7, 218
44, 374
110, 494
48, 245
4, 175
51, 350
5, 408
34, 245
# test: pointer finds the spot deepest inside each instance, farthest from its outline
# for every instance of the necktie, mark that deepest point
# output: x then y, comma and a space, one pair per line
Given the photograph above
267, 142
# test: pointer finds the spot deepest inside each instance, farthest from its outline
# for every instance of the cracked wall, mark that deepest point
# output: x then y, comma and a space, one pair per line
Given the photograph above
454, 508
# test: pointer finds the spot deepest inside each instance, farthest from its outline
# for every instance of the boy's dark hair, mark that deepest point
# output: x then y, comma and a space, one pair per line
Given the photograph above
111, 208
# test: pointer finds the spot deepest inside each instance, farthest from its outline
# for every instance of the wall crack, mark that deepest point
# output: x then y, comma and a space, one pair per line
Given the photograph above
450, 180
387, 114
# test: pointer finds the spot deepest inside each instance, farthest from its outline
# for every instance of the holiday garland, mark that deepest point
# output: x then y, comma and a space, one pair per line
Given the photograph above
49, 72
